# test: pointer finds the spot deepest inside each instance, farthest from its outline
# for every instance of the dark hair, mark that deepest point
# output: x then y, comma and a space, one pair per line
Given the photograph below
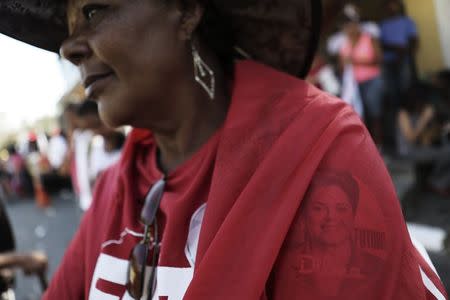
401, 5
118, 139
444, 77
417, 97
216, 31
11, 148
340, 179
33, 146
71, 107
87, 107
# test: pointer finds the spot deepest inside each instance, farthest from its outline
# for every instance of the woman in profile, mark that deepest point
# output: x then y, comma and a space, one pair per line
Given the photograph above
362, 52
226, 141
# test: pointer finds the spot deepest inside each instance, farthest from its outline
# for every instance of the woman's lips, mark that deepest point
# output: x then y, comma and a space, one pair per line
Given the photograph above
96, 84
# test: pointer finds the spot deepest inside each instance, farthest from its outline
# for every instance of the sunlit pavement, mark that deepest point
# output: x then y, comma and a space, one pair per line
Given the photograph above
50, 230
429, 222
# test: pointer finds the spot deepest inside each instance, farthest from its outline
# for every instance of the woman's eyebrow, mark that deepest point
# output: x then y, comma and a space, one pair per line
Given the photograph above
74, 9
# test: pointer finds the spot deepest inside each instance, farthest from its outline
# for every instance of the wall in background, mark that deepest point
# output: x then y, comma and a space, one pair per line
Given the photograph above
442, 8
430, 57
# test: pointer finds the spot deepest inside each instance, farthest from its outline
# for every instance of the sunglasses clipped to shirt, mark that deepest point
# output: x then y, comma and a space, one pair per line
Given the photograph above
137, 263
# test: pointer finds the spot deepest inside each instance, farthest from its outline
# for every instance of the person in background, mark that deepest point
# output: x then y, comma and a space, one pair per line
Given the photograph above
399, 40
34, 262
56, 178
362, 53
350, 92
37, 164
29, 262
57, 149
322, 75
338, 39
69, 126
20, 177
441, 81
68, 119
5, 182
86, 120
106, 151
97, 147
419, 138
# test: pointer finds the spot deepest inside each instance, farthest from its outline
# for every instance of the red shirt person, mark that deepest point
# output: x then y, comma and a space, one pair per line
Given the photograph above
215, 175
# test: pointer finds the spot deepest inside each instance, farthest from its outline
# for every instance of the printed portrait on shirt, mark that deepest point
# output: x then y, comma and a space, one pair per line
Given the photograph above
335, 251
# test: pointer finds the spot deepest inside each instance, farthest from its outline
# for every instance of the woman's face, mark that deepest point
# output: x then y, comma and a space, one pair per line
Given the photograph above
329, 216
130, 53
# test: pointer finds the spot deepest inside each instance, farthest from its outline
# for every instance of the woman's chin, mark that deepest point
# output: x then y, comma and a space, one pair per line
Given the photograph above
113, 119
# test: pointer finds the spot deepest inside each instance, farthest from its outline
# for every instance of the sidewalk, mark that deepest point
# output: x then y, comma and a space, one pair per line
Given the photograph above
429, 221
48, 230
429, 208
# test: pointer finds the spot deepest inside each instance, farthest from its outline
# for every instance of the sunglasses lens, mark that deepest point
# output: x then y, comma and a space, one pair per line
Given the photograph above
152, 201
136, 268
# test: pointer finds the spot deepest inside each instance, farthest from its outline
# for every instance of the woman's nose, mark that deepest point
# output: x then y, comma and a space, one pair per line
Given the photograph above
330, 214
75, 50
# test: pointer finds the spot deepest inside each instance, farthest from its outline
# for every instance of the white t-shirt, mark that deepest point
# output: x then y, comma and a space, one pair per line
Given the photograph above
81, 140
100, 159
57, 150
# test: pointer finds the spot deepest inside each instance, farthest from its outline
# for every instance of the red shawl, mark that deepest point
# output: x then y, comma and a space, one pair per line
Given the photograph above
300, 206
254, 242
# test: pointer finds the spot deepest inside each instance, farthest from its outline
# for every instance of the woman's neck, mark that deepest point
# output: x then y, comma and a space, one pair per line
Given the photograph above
195, 120
176, 147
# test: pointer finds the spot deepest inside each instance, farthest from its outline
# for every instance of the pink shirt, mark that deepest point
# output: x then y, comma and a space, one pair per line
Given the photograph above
362, 51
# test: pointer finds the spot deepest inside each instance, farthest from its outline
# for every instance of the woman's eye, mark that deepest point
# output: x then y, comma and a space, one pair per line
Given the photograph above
317, 208
91, 10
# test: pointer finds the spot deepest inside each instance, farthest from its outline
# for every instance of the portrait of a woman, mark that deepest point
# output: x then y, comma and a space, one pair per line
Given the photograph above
329, 252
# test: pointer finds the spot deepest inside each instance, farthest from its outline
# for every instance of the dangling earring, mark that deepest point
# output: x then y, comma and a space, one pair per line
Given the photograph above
201, 72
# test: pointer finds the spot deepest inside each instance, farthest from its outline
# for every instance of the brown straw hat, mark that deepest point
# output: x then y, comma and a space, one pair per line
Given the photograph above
280, 33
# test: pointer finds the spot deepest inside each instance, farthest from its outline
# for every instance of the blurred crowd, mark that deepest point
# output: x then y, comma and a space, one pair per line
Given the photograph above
371, 65
67, 160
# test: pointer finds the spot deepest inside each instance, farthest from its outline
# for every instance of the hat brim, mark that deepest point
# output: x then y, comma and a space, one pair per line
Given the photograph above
43, 25
35, 24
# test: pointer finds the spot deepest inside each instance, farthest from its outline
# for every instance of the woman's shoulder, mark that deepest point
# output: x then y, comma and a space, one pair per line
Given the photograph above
315, 100
308, 101
272, 87
283, 102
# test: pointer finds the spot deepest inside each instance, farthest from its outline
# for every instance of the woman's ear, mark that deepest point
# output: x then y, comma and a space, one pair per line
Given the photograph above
191, 15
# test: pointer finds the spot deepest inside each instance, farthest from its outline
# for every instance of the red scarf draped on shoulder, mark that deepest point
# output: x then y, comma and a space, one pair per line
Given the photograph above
301, 205
254, 239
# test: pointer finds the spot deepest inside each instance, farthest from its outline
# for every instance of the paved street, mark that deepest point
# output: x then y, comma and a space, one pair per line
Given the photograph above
48, 230
51, 230
430, 210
